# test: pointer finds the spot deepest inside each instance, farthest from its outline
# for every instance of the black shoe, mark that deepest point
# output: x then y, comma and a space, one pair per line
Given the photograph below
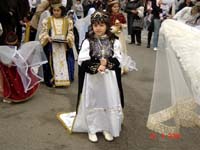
138, 44
148, 46
131, 43
49, 84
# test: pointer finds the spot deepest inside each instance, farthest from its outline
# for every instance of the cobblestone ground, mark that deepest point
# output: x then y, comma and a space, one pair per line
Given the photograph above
32, 125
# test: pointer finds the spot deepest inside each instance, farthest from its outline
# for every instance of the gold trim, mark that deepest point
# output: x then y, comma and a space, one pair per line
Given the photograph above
56, 5
113, 2
12, 43
27, 32
54, 26
62, 122
49, 23
64, 26
76, 112
62, 83
183, 114
75, 117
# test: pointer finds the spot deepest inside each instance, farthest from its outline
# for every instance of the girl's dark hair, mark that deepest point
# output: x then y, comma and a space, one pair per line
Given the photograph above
97, 18
63, 11
109, 8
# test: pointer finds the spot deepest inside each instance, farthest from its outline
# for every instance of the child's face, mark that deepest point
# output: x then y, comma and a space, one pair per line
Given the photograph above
115, 8
99, 29
57, 12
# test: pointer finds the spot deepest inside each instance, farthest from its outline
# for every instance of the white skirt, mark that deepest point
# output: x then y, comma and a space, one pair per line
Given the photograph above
100, 106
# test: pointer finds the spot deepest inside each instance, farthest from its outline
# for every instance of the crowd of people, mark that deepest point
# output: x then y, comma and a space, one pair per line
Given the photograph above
24, 17
92, 32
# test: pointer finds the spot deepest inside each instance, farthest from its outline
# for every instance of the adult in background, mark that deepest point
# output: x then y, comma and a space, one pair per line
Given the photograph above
148, 21
87, 4
156, 22
67, 4
12, 16
186, 3
33, 5
23, 9
44, 5
78, 8
135, 13
98, 4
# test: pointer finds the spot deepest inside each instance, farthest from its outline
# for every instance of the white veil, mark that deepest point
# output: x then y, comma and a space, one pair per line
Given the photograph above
29, 57
176, 91
83, 24
44, 15
6, 54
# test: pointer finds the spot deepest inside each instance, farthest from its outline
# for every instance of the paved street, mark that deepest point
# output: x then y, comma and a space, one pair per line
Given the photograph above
32, 125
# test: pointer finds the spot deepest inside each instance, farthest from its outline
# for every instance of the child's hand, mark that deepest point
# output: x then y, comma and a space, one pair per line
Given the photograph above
119, 26
50, 39
70, 42
117, 23
101, 68
103, 61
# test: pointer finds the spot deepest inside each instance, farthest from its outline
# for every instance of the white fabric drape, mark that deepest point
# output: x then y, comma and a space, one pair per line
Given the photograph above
176, 91
29, 55
43, 16
83, 24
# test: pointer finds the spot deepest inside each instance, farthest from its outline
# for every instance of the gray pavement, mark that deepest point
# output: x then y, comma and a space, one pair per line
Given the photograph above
32, 125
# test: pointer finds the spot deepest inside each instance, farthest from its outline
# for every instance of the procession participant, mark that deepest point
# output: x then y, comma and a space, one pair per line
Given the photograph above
118, 25
19, 70
44, 5
56, 36
83, 24
99, 75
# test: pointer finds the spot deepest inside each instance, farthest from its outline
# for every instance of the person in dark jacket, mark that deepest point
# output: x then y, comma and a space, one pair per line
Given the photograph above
135, 12
68, 5
87, 4
5, 15
23, 10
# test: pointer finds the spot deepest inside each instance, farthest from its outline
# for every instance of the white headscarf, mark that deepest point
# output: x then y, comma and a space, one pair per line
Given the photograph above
83, 24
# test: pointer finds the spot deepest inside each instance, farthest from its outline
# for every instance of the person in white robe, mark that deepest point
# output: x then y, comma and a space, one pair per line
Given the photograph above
83, 24
100, 99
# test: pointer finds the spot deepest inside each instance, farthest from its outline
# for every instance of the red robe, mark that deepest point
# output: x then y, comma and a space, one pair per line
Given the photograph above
118, 16
13, 88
